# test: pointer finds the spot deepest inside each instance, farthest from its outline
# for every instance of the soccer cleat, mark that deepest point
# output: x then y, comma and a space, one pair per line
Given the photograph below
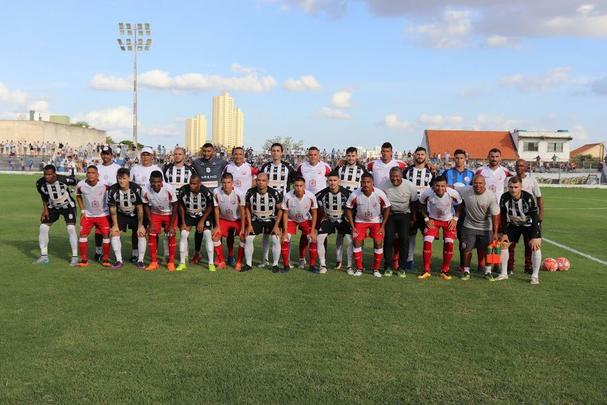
350, 272
222, 265
402, 274
534, 280
285, 269
153, 266
263, 265
83, 263
171, 267
376, 274
409, 265
501, 277
528, 270
117, 266
358, 273
44, 260
275, 269
133, 259
322, 270
424, 275
106, 263
445, 276
246, 267
196, 258
231, 261
314, 269
238, 267
140, 265
74, 261
388, 273
302, 263
465, 276
338, 266
212, 268
488, 276
181, 267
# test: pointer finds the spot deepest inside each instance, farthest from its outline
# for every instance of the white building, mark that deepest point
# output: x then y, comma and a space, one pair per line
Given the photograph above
545, 144
195, 133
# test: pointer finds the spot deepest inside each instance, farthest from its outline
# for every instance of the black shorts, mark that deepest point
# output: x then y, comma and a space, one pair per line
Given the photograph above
514, 232
329, 227
193, 221
419, 223
127, 222
473, 238
262, 227
69, 215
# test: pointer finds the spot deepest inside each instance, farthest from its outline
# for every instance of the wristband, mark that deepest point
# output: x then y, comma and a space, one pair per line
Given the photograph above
456, 218
426, 219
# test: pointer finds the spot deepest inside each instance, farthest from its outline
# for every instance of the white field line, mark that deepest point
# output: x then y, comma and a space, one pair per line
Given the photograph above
594, 259
576, 208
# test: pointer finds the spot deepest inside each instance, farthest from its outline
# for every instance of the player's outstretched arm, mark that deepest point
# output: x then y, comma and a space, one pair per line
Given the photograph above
140, 217
174, 216
115, 231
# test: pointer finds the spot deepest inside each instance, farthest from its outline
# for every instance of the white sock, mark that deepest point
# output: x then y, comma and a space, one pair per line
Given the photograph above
141, 245
348, 239
467, 270
320, 245
536, 261
504, 262
248, 250
208, 243
266, 248
488, 269
183, 246
43, 239
117, 248
411, 248
135, 253
73, 237
165, 245
275, 250
339, 244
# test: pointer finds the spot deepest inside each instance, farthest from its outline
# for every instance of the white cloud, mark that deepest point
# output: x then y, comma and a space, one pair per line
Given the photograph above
120, 117
12, 96
394, 122
110, 83
579, 134
495, 123
451, 31
38, 106
438, 120
341, 99
500, 41
306, 82
333, 113
554, 78
245, 70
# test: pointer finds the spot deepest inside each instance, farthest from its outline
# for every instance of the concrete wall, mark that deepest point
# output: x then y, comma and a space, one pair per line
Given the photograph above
44, 131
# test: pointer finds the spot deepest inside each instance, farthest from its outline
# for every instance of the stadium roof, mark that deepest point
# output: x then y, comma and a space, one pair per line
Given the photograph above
586, 149
476, 143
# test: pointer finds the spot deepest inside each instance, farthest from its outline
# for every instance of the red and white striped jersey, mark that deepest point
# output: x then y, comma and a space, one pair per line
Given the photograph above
315, 176
298, 209
243, 176
229, 204
94, 198
160, 202
381, 171
368, 208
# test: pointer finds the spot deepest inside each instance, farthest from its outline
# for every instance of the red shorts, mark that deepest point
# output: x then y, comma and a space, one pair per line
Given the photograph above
305, 226
158, 223
225, 226
373, 228
101, 224
109, 221
438, 225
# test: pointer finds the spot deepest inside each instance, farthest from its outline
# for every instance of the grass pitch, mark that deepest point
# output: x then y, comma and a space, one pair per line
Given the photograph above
103, 336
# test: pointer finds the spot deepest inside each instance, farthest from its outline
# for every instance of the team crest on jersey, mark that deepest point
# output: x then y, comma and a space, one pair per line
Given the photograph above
313, 183
208, 170
467, 179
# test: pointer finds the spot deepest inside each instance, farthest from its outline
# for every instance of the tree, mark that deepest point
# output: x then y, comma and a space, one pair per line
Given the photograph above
109, 140
288, 143
130, 144
82, 124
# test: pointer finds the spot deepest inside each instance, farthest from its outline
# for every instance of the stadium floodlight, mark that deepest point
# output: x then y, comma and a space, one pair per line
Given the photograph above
134, 38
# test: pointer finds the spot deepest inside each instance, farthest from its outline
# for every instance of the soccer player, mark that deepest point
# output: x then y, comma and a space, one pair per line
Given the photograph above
438, 213
92, 201
178, 173
300, 211
281, 175
401, 193
332, 203
530, 185
263, 216
126, 212
480, 223
421, 175
372, 211
160, 206
57, 201
380, 168
229, 217
495, 174
196, 210
519, 215
107, 175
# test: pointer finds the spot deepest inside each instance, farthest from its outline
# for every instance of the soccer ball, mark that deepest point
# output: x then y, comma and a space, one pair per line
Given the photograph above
550, 264
563, 263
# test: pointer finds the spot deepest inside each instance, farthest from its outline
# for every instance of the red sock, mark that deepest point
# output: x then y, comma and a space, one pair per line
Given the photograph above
106, 249
358, 258
83, 245
240, 254
284, 252
153, 247
396, 254
219, 257
427, 256
378, 255
172, 248
303, 245
313, 253
447, 256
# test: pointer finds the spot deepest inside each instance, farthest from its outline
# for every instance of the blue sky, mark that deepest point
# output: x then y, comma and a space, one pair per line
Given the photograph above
329, 72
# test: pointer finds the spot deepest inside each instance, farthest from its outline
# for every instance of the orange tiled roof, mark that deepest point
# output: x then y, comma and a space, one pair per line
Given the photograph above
582, 149
476, 143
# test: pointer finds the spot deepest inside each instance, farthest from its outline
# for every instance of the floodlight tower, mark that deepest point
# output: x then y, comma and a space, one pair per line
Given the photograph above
132, 40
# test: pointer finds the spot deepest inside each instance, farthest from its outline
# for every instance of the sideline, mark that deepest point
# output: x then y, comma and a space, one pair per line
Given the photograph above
575, 251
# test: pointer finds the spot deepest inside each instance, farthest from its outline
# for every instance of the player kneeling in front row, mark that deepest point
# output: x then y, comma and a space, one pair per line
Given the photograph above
437, 209
196, 209
372, 210
519, 216
160, 205
56, 201
126, 212
94, 212
300, 210
229, 217
332, 203
263, 216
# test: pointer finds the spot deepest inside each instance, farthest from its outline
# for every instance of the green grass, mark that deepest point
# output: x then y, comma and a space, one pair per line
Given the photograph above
102, 336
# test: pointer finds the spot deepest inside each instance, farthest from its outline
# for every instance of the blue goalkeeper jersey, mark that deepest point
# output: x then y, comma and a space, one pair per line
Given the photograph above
457, 178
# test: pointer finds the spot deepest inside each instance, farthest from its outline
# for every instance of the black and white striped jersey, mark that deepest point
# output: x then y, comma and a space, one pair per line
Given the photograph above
349, 175
280, 176
421, 178
195, 204
177, 176
127, 201
264, 207
333, 204
521, 212
57, 195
